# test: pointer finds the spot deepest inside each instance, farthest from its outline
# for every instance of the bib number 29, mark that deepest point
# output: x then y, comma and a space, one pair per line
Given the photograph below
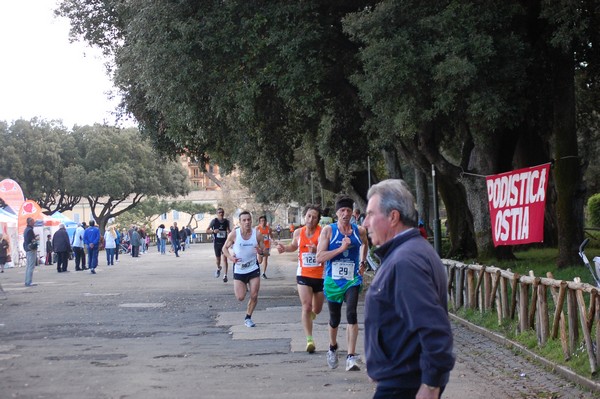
342, 270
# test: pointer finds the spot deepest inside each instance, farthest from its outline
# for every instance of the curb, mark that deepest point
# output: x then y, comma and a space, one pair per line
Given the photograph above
554, 367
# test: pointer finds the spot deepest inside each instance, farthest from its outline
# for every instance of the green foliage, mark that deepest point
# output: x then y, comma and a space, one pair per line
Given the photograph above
40, 155
118, 167
593, 207
281, 90
246, 84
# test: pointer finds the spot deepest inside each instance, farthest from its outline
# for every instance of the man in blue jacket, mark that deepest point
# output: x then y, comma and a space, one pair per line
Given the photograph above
408, 339
91, 238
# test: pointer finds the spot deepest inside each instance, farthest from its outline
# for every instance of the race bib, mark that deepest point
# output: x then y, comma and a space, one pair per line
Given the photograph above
309, 259
247, 264
266, 238
221, 234
342, 270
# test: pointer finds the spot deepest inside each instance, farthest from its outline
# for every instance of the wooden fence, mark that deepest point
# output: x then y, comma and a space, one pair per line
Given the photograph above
561, 315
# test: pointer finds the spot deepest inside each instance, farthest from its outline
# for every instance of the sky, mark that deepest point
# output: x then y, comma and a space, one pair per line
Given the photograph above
43, 75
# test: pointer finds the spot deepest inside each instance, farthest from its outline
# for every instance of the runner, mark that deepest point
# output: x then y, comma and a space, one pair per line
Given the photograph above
245, 243
220, 228
342, 245
267, 234
309, 274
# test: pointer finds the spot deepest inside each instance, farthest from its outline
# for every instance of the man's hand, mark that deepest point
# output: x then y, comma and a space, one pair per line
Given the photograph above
427, 392
280, 248
346, 243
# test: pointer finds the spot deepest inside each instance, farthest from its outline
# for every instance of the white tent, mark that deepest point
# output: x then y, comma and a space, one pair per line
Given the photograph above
8, 228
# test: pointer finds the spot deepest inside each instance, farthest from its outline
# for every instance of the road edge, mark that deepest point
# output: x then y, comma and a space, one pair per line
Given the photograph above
554, 367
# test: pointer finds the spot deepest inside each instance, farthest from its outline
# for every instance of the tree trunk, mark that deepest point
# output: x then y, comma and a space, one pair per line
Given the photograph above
567, 173
422, 192
460, 221
392, 163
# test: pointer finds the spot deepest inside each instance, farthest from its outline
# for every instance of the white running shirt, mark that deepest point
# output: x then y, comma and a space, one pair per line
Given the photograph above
246, 251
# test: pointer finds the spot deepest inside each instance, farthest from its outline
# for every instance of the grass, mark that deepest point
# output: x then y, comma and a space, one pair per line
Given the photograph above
543, 260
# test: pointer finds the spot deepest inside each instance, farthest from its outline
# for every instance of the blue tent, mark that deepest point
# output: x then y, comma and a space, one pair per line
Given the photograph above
69, 224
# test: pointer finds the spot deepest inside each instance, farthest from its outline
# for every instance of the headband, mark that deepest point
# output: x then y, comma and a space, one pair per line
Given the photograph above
344, 203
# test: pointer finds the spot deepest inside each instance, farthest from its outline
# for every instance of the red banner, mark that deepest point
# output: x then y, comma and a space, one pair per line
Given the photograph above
517, 201
29, 209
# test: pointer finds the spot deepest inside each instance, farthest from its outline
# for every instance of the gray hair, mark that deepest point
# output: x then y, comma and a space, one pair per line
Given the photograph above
62, 226
395, 194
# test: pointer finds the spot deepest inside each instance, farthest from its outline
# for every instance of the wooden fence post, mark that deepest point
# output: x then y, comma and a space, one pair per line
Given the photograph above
586, 333
534, 294
487, 288
451, 279
597, 329
513, 304
558, 294
543, 323
471, 290
493, 298
459, 287
592, 311
523, 313
504, 298
572, 317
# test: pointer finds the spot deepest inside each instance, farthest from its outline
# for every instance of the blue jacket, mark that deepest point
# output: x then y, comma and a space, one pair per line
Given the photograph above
408, 339
92, 236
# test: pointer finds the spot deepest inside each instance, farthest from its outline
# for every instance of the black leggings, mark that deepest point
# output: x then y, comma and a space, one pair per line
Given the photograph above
335, 308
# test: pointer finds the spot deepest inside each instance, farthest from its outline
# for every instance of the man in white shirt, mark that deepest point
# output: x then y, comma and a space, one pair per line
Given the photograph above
78, 247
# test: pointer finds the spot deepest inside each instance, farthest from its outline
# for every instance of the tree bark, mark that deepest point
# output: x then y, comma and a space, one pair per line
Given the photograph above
422, 192
567, 173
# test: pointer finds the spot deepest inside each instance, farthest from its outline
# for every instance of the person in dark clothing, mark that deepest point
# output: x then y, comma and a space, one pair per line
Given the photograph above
4, 255
408, 339
175, 239
30, 245
61, 244
49, 250
219, 227
182, 238
136, 241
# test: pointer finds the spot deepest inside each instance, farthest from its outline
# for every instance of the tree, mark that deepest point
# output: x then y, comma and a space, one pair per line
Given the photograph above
427, 80
117, 168
144, 213
192, 209
37, 154
246, 84
473, 88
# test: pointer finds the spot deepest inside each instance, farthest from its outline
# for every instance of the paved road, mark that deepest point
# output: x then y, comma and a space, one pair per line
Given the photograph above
164, 327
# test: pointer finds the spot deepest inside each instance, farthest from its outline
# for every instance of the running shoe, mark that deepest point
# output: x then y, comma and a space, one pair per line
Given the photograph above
225, 279
310, 347
249, 323
351, 363
313, 315
332, 359
264, 276
217, 273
